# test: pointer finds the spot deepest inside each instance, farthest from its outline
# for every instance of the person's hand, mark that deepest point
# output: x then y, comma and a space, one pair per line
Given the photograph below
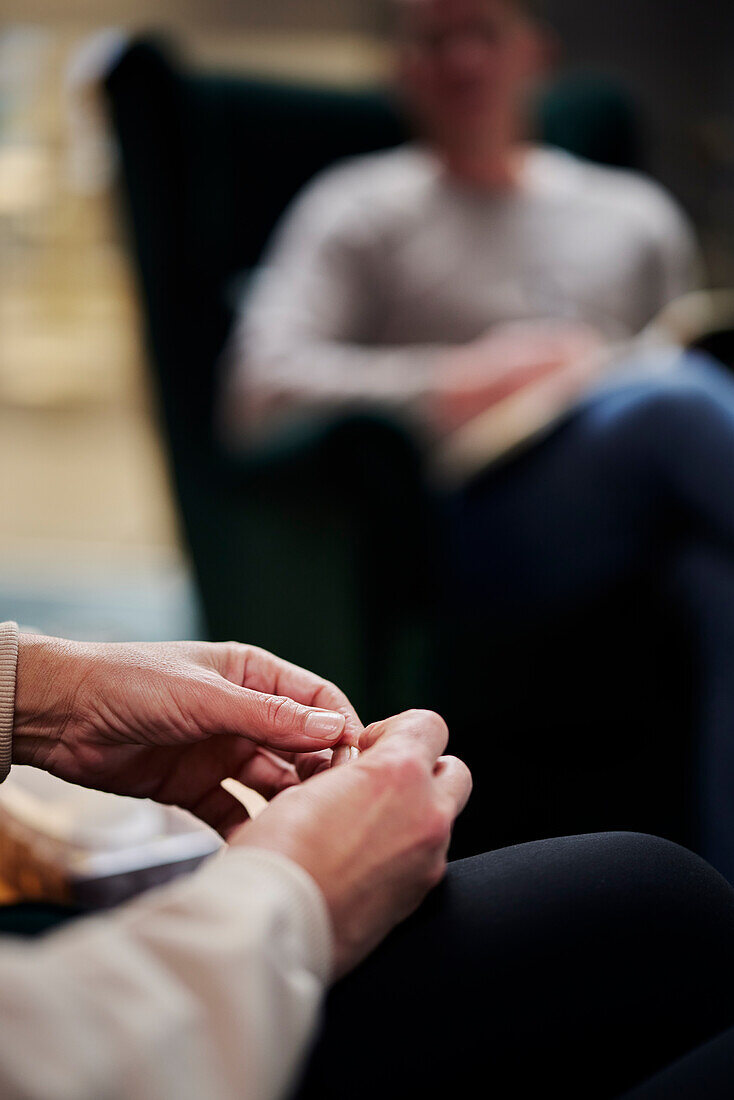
169, 721
509, 358
374, 833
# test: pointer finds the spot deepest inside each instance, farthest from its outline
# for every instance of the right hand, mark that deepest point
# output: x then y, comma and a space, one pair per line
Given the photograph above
505, 360
374, 834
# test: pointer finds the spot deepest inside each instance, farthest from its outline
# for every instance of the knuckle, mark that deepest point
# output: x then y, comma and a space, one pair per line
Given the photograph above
279, 711
374, 732
334, 697
428, 719
229, 650
461, 769
436, 826
231, 658
404, 770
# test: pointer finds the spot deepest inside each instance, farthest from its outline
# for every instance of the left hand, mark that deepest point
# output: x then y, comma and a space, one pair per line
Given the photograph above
374, 837
509, 358
169, 721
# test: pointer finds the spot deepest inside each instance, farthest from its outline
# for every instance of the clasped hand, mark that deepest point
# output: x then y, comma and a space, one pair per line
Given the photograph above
170, 721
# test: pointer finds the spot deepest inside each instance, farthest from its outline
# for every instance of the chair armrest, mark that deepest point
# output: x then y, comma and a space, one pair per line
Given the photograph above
346, 454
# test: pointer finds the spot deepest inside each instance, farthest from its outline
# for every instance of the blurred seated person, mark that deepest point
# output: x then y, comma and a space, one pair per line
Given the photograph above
416, 277
436, 279
589, 963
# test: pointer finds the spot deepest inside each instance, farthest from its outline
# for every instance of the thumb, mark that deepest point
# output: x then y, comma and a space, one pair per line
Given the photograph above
273, 721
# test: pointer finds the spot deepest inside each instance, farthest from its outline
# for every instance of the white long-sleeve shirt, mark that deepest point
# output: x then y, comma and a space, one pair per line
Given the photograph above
207, 989
384, 261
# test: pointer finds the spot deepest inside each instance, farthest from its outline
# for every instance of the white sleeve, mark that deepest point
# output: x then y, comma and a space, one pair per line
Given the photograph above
303, 335
209, 988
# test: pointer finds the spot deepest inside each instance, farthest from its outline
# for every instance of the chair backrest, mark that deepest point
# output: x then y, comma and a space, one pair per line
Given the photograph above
592, 116
209, 164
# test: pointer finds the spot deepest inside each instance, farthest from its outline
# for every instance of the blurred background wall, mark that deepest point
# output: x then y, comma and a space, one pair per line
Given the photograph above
88, 540
676, 59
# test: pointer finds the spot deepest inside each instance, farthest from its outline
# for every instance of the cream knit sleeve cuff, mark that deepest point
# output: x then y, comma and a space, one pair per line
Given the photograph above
8, 669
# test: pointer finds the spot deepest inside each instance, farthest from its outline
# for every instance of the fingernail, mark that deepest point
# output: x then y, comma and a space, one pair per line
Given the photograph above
326, 724
344, 754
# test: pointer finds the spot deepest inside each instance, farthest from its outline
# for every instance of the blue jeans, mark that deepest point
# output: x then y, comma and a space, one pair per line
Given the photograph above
641, 475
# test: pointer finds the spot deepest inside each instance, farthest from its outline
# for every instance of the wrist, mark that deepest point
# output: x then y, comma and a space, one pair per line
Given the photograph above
44, 697
306, 906
8, 668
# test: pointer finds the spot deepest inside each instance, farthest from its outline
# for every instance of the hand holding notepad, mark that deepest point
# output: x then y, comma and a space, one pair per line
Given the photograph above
537, 402
519, 417
508, 358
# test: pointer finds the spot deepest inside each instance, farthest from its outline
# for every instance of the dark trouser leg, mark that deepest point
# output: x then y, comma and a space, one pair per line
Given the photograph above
642, 469
640, 463
707, 1073
578, 966
702, 583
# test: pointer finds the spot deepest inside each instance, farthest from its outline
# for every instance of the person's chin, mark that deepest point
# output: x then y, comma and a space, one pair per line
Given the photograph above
465, 128
468, 110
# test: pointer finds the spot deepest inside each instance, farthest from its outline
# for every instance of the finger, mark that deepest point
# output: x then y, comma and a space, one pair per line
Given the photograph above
454, 779
424, 730
332, 698
220, 810
313, 763
273, 721
226, 811
267, 774
344, 754
192, 778
305, 763
263, 671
